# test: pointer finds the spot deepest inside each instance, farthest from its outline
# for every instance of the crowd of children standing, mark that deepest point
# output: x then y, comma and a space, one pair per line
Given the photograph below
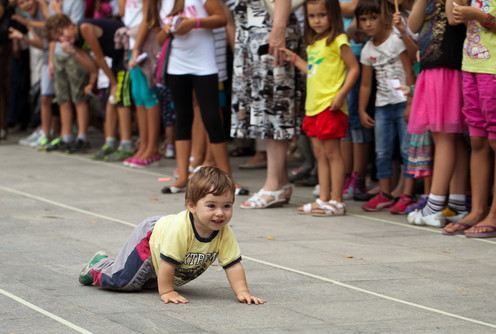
411, 82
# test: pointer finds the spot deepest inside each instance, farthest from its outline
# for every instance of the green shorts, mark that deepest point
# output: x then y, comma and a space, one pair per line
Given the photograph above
70, 78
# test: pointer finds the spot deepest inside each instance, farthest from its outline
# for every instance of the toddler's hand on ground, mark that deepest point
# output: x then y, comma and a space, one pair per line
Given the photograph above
248, 298
173, 297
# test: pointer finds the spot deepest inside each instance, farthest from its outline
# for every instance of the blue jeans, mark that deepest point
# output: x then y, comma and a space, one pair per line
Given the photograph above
389, 124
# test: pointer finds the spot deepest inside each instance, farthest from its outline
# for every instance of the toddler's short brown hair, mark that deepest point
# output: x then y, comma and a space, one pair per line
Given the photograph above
208, 180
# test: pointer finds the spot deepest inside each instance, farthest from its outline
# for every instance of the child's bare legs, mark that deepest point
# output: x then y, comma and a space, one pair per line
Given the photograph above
449, 172
110, 125
46, 114
183, 150
482, 153
65, 119
336, 163
199, 136
385, 186
221, 156
83, 117
444, 162
347, 151
124, 123
169, 135
143, 130
360, 157
481, 174
209, 156
152, 131
323, 169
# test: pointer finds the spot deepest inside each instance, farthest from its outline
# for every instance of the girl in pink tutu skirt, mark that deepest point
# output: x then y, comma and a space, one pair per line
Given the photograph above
437, 106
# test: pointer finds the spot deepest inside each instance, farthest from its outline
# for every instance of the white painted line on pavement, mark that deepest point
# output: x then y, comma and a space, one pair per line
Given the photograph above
42, 199
351, 287
44, 312
325, 279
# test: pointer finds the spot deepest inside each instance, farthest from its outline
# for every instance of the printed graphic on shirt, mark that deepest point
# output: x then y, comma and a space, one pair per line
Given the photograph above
313, 61
193, 265
474, 46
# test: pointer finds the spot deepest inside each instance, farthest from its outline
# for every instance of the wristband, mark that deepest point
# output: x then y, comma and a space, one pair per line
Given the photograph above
488, 21
293, 60
197, 23
412, 89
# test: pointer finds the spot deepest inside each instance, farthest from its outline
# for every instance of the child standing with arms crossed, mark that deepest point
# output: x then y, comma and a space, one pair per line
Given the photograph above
385, 54
328, 83
169, 251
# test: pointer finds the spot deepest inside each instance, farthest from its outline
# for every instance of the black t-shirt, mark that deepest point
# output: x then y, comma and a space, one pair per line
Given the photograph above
106, 40
440, 44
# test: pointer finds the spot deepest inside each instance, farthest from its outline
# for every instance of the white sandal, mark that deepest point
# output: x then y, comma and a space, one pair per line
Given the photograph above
332, 208
309, 207
257, 202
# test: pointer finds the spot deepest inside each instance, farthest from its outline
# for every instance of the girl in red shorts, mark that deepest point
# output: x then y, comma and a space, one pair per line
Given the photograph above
331, 72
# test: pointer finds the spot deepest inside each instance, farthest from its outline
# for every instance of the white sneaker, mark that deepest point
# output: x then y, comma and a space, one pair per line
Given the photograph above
170, 152
32, 138
435, 220
415, 217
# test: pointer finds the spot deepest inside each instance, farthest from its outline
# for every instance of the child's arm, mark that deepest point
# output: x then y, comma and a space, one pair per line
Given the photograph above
44, 8
464, 14
81, 56
408, 41
351, 77
216, 19
230, 28
364, 96
88, 33
237, 279
417, 15
407, 67
165, 278
121, 7
348, 8
140, 36
35, 42
91, 82
51, 51
294, 59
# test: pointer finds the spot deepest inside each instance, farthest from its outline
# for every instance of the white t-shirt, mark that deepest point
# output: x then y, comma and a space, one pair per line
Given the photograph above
133, 15
385, 59
193, 53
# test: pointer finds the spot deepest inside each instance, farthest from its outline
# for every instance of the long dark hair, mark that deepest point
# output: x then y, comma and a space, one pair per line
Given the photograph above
335, 18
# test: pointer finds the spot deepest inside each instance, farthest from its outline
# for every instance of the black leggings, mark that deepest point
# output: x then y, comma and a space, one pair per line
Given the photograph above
206, 90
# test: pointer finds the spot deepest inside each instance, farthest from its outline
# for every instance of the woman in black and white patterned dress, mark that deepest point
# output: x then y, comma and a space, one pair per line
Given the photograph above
267, 100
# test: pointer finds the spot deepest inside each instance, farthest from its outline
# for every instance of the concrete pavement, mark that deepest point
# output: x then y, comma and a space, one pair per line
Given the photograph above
362, 273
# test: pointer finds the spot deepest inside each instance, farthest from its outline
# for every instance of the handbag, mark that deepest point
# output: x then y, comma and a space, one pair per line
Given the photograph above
269, 5
163, 62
